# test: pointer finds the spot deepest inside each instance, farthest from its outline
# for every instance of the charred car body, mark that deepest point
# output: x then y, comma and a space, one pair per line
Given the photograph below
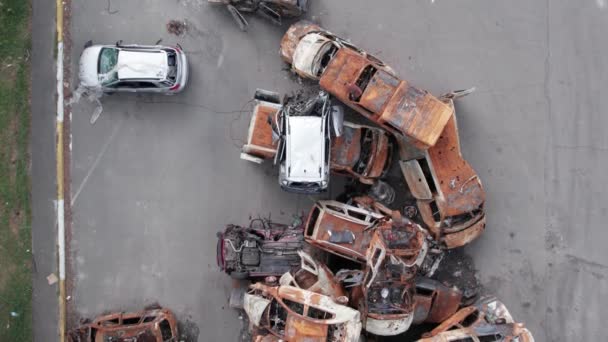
260, 250
435, 302
289, 313
366, 84
297, 134
449, 194
488, 320
275, 10
391, 248
156, 325
361, 152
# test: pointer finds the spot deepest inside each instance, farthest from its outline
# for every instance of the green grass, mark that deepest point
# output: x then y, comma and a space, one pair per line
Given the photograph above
15, 213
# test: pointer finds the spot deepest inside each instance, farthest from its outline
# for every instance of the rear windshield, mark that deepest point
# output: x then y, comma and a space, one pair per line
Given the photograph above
108, 58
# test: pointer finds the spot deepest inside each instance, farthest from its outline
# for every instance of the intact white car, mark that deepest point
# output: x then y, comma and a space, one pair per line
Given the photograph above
133, 68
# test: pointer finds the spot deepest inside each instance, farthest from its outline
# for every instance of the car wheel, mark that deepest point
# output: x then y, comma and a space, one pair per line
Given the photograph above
239, 275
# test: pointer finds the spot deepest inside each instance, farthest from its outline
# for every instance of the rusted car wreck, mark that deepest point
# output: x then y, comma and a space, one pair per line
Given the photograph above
362, 152
263, 249
287, 313
449, 193
274, 10
366, 84
488, 320
391, 249
156, 325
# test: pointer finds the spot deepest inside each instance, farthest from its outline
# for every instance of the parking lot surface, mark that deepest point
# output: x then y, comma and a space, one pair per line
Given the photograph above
156, 177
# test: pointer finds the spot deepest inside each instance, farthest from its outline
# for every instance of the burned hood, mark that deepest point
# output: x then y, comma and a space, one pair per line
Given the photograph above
346, 149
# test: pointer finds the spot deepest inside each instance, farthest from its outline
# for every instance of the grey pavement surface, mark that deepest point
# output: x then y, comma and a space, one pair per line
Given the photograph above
155, 177
42, 140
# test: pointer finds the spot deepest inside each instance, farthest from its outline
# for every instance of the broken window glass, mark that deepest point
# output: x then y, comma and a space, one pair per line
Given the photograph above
108, 58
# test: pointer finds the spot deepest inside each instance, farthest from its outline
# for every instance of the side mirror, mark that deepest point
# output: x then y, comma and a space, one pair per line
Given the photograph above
89, 43
119, 43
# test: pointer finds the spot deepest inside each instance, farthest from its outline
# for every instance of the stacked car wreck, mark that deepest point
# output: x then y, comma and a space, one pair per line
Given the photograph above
356, 266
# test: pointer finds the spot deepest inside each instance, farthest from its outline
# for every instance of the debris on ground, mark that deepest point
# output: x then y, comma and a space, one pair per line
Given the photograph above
177, 27
52, 279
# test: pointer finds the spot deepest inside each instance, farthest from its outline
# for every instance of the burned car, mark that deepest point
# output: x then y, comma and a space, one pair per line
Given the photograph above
358, 151
361, 152
316, 277
488, 320
262, 136
386, 297
275, 10
365, 84
435, 302
449, 193
289, 313
155, 325
342, 229
297, 134
263, 249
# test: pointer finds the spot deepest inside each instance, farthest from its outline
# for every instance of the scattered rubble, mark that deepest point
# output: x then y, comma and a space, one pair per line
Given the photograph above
273, 10
177, 27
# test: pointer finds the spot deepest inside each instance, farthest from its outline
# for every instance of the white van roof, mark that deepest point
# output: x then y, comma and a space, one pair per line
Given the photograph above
305, 148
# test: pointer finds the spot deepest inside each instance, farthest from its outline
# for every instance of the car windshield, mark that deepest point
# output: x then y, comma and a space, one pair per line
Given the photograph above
108, 58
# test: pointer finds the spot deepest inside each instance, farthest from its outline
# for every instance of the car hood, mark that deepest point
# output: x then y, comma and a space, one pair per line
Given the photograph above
88, 73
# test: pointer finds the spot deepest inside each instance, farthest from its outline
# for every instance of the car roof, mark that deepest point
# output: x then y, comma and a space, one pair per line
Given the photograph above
305, 147
142, 64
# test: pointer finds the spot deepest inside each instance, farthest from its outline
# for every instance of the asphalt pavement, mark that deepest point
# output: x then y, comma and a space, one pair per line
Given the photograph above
156, 177
42, 170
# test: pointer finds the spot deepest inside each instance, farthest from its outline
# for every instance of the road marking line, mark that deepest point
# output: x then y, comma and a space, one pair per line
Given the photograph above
60, 167
95, 163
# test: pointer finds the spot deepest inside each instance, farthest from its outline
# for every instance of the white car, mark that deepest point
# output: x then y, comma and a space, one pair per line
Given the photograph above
303, 151
133, 68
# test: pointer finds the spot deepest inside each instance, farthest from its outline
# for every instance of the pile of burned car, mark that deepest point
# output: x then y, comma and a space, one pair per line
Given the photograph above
360, 266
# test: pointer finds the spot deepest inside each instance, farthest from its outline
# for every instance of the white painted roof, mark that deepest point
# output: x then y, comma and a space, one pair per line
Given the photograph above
142, 64
305, 147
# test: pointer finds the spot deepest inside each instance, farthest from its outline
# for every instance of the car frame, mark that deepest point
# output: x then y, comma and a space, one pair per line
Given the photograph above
366, 84
158, 325
262, 249
362, 152
449, 194
488, 319
294, 314
133, 68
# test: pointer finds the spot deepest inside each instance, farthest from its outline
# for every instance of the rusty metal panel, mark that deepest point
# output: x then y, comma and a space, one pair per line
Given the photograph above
259, 137
465, 236
460, 187
414, 177
379, 91
417, 114
346, 149
344, 69
300, 330
381, 156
